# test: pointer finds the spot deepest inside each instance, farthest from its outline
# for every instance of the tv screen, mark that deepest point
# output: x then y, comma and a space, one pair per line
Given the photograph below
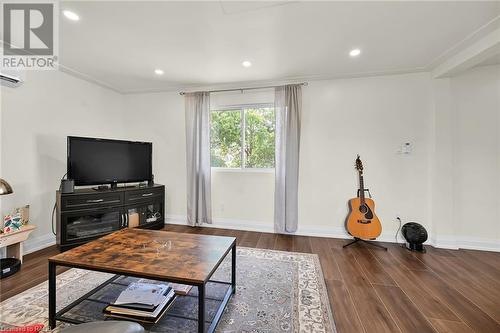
101, 161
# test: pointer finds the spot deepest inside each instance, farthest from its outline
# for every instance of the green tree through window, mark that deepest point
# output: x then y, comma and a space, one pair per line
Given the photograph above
225, 138
243, 138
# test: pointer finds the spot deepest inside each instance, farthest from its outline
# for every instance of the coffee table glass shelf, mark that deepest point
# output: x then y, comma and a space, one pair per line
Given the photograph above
161, 256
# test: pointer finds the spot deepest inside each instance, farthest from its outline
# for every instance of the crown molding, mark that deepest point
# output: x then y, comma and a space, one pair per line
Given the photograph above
287, 80
469, 40
88, 78
239, 84
485, 48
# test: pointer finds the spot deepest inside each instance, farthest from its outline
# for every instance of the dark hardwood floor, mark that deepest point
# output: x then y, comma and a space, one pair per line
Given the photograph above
370, 290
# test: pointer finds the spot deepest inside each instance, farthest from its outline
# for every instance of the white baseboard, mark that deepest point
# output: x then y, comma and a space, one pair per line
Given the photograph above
246, 225
478, 244
468, 243
226, 224
445, 242
37, 243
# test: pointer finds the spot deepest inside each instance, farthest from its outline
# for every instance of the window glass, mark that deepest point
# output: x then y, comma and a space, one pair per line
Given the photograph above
259, 138
225, 139
243, 138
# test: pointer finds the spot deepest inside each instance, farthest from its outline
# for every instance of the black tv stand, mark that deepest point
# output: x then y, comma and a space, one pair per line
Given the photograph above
87, 214
103, 188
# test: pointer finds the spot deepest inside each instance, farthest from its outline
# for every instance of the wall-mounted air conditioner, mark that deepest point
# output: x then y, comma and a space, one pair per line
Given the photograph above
13, 80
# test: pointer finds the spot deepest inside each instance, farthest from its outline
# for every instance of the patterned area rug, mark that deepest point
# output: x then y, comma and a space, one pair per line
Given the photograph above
276, 292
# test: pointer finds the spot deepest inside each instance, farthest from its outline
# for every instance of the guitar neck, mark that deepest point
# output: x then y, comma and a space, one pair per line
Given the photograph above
361, 188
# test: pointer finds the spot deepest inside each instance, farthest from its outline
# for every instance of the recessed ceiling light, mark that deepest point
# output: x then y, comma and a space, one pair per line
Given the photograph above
71, 15
355, 52
158, 71
246, 63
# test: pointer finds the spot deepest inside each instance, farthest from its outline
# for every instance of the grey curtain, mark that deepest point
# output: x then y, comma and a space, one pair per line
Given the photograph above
199, 205
288, 106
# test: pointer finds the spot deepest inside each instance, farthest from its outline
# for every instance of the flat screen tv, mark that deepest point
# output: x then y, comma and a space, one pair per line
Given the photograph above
93, 161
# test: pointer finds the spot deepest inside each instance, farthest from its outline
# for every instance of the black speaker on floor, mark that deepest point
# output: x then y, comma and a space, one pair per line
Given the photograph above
415, 235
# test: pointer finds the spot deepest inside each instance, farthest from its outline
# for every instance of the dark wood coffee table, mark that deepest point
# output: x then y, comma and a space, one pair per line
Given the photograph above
159, 255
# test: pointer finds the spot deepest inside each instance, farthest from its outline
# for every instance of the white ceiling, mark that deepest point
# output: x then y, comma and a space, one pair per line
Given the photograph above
119, 44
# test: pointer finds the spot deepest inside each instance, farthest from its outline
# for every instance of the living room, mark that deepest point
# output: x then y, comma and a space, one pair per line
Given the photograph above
393, 103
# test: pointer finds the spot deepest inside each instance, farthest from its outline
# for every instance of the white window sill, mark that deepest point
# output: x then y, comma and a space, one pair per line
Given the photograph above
241, 170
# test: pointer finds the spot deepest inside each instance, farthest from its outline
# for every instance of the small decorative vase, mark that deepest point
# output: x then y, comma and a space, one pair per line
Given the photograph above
25, 214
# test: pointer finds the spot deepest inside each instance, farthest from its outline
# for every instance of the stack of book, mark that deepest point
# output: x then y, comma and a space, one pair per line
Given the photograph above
141, 301
181, 289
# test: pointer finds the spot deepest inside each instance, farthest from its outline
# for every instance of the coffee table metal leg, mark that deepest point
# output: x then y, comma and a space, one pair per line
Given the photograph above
201, 308
233, 268
52, 295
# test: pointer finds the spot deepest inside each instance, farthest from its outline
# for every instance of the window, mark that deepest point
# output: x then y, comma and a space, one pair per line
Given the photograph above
243, 137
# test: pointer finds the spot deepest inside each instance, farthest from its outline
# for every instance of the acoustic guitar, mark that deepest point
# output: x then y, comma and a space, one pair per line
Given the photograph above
362, 222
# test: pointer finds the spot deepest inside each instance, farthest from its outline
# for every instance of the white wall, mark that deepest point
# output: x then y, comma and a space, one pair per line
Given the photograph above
372, 117
159, 118
448, 183
476, 155
440, 197
1, 209
440, 184
369, 116
243, 196
36, 118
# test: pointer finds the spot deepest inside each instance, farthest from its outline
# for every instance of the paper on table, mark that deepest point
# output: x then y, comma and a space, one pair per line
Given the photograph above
142, 293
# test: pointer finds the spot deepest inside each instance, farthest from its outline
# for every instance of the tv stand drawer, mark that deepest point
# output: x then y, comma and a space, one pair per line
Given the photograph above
74, 202
145, 194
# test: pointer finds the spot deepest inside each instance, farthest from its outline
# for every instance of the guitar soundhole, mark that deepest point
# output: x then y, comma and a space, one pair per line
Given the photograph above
363, 209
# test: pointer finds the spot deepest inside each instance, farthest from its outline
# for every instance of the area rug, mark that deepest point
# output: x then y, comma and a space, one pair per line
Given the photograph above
276, 292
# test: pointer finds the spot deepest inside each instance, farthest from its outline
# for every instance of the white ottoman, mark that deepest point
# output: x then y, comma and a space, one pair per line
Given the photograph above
106, 327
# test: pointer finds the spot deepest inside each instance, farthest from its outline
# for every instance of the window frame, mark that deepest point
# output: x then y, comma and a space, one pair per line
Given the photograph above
241, 108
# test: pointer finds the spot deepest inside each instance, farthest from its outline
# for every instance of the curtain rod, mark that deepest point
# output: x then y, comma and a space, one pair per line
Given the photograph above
243, 89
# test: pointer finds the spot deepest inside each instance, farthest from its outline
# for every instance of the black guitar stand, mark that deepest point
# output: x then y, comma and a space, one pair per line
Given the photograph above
366, 190
362, 240
365, 241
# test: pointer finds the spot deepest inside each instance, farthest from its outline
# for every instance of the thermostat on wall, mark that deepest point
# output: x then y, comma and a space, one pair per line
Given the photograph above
405, 148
